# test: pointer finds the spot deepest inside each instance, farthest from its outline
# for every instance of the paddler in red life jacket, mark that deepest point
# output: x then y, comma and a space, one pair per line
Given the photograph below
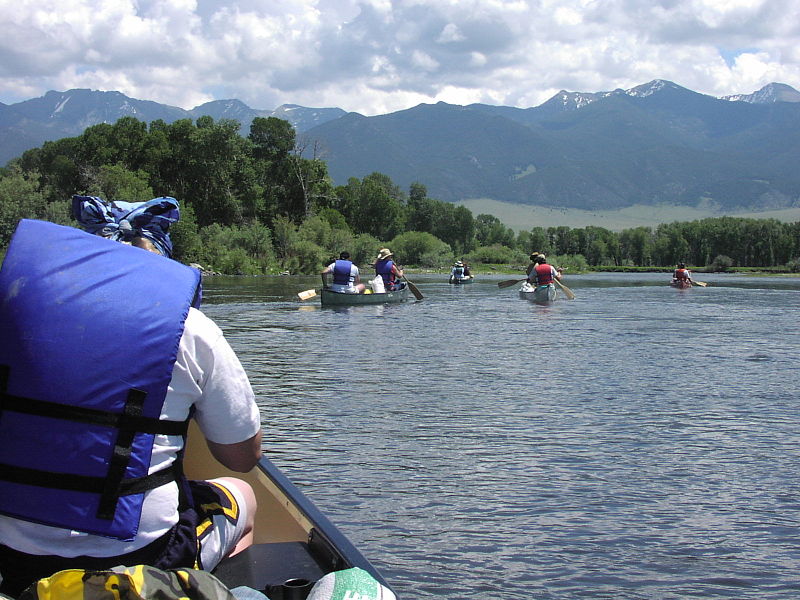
346, 278
388, 270
543, 273
681, 274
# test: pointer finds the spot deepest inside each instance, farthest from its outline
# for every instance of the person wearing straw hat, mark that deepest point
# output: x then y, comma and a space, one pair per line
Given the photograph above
532, 266
388, 270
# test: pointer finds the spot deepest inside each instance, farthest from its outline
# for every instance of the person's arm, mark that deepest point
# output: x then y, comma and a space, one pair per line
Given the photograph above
397, 271
226, 409
324, 272
239, 457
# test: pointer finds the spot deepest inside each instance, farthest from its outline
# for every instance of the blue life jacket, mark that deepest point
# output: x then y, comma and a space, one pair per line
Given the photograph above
90, 331
342, 272
384, 269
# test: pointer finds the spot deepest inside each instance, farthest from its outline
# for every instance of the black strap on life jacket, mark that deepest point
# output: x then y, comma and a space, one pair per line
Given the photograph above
128, 423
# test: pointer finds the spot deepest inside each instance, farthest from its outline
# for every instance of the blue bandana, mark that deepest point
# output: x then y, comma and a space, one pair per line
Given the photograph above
123, 221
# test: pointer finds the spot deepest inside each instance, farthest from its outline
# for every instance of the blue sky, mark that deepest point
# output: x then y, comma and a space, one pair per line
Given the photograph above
378, 56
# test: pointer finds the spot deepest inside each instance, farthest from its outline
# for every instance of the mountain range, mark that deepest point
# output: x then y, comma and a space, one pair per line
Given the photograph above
657, 143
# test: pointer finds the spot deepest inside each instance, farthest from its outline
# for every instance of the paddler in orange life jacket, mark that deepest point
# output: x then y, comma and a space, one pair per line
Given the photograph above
543, 273
681, 274
388, 270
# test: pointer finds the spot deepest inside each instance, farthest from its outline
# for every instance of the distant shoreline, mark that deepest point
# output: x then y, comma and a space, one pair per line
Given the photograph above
517, 269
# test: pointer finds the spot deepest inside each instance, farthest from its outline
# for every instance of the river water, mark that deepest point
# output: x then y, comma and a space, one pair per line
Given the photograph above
637, 442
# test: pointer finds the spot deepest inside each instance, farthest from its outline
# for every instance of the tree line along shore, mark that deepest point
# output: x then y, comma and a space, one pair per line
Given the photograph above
264, 204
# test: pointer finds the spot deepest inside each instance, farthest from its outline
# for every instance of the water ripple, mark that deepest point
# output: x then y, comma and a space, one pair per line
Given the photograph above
638, 442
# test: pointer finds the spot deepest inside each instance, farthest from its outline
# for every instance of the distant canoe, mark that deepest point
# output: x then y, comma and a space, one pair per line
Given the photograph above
331, 298
543, 294
461, 280
681, 284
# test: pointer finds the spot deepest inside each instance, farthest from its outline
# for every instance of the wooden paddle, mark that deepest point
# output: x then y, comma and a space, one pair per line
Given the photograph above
307, 294
567, 292
414, 290
510, 282
700, 283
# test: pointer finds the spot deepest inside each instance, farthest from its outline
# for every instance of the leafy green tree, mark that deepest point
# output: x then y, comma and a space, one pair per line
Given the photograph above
489, 230
561, 240
273, 139
331, 239
536, 241
373, 205
256, 240
59, 173
420, 248
721, 263
597, 252
19, 199
420, 209
497, 254
186, 240
637, 245
669, 246
285, 238
334, 218
115, 182
306, 257
455, 226
365, 249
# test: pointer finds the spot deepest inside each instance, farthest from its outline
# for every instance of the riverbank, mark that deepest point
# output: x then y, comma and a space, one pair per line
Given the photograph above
481, 269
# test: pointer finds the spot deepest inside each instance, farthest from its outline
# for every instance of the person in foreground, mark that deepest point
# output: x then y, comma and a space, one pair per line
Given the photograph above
101, 368
682, 275
346, 278
388, 270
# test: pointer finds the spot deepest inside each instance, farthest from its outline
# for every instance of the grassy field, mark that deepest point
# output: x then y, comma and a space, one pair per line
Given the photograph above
520, 217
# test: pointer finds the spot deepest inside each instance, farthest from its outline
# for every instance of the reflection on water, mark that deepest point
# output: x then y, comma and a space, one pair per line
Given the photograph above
637, 442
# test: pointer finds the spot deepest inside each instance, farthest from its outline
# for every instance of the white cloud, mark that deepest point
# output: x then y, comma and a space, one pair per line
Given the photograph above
450, 33
372, 56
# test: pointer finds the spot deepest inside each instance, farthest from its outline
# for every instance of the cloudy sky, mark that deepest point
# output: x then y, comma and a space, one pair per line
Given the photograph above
378, 56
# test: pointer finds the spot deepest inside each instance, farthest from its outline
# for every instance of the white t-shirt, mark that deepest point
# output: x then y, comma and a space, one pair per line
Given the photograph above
208, 375
350, 286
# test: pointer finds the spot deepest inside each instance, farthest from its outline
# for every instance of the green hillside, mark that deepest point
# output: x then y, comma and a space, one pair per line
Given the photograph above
521, 217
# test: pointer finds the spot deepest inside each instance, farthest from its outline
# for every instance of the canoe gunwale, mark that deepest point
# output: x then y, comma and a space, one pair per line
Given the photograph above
285, 519
330, 298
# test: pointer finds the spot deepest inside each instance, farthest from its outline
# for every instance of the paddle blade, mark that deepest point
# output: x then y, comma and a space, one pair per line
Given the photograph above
307, 294
567, 292
414, 290
700, 283
509, 283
